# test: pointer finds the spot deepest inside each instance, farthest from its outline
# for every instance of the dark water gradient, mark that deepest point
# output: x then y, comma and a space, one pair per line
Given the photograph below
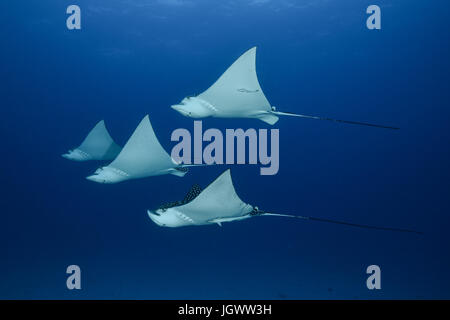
315, 57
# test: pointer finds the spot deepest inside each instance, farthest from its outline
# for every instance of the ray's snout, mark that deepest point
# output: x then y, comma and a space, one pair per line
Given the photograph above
96, 178
154, 217
180, 109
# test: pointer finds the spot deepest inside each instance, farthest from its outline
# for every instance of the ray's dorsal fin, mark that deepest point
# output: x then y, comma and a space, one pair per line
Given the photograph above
143, 154
238, 88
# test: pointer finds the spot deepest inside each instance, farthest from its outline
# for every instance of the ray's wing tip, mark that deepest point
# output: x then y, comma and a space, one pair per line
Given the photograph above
227, 172
251, 51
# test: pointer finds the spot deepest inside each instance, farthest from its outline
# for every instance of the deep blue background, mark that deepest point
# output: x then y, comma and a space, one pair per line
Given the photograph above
314, 57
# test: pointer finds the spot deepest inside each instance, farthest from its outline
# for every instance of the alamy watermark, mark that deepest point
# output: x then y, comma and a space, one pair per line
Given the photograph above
74, 280
231, 149
374, 20
73, 22
374, 280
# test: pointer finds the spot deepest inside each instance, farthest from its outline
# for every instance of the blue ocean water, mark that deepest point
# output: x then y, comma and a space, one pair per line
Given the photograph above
133, 58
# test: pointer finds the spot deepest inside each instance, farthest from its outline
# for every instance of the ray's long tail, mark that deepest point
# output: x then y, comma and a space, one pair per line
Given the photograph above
333, 120
342, 223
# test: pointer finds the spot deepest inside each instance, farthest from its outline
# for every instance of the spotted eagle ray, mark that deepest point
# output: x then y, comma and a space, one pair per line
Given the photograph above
220, 203
238, 94
142, 156
98, 145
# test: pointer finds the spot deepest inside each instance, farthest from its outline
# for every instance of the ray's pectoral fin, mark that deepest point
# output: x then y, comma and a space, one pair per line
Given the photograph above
236, 94
179, 171
268, 117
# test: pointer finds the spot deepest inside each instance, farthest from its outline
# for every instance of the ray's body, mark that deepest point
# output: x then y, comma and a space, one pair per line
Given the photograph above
238, 94
220, 203
142, 156
98, 145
